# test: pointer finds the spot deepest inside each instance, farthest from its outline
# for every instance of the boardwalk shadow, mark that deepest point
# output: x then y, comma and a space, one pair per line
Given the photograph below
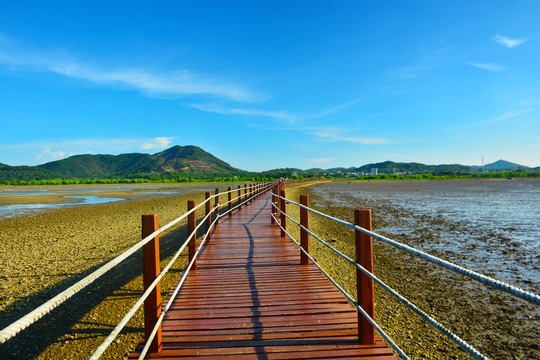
255, 318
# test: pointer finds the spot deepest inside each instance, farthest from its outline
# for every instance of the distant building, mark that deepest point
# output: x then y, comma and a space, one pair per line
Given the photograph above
374, 171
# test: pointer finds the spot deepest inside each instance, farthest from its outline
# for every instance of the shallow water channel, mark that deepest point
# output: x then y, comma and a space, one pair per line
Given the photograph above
20, 200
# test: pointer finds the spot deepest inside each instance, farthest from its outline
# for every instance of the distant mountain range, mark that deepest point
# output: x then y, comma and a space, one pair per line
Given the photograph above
502, 165
192, 161
390, 167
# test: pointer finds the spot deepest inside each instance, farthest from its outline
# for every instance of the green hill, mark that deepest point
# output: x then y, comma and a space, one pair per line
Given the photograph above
389, 167
173, 162
503, 165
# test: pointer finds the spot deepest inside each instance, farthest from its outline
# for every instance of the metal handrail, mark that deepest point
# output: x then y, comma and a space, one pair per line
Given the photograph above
474, 275
398, 296
17, 326
523, 294
14, 328
134, 308
346, 294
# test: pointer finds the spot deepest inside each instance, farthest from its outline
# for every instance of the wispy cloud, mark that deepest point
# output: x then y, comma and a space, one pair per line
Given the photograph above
219, 109
508, 42
507, 115
364, 141
503, 117
179, 83
321, 161
276, 114
55, 149
47, 155
332, 109
487, 66
159, 143
335, 134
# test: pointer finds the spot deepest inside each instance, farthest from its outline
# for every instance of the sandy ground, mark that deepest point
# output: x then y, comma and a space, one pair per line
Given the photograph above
41, 255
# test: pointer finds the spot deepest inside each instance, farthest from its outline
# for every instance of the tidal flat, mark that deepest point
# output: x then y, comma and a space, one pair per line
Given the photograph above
497, 324
45, 251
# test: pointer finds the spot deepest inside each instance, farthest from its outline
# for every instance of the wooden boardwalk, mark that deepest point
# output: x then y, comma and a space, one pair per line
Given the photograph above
251, 299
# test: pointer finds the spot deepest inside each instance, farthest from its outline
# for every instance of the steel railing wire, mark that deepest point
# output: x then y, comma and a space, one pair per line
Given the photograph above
27, 320
14, 328
459, 341
349, 297
176, 290
523, 294
474, 275
108, 341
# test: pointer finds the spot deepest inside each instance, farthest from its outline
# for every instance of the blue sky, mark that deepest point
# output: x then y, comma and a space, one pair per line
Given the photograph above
268, 84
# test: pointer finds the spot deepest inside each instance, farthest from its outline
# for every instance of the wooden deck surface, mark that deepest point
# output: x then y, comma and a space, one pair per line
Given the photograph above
251, 299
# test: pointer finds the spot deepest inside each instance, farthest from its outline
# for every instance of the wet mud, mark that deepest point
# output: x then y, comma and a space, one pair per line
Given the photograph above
498, 325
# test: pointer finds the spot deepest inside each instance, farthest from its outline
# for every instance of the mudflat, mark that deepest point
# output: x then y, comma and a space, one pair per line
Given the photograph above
42, 254
499, 325
45, 253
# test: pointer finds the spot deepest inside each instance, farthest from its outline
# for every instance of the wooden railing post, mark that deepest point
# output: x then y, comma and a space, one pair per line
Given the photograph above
217, 205
245, 193
192, 224
152, 304
229, 207
208, 208
304, 235
364, 284
239, 196
283, 219
272, 221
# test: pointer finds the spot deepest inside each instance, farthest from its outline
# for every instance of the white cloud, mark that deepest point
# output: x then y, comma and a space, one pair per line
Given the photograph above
321, 161
507, 115
276, 114
166, 83
364, 141
334, 134
38, 152
159, 143
487, 66
508, 42
47, 155
282, 115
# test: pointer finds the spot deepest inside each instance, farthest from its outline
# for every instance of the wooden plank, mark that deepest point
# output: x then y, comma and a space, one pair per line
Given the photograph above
251, 299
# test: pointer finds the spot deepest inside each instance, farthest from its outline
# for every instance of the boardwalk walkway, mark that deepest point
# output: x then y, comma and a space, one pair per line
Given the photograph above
251, 299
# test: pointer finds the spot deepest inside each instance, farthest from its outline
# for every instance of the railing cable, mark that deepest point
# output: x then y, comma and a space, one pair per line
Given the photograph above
349, 297
27, 320
523, 294
173, 295
459, 341
108, 341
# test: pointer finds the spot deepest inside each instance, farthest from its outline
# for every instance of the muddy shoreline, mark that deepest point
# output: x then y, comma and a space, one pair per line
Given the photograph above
42, 254
498, 325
